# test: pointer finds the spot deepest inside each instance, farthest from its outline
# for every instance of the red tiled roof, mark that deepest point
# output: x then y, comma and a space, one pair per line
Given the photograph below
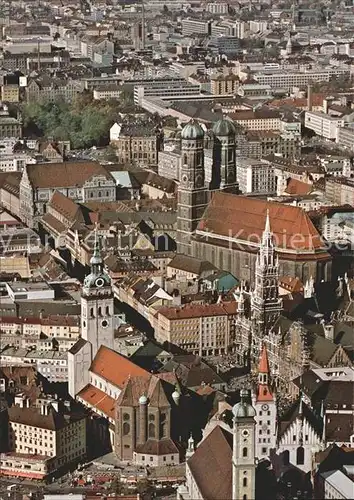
298, 188
263, 361
291, 283
243, 218
115, 368
98, 399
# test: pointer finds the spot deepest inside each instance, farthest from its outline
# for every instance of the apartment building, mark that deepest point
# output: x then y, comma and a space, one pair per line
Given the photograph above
10, 93
345, 137
52, 364
262, 119
340, 190
279, 79
323, 125
169, 164
52, 89
205, 329
165, 90
256, 177
43, 438
135, 143
9, 126
194, 27
107, 92
217, 8
224, 84
60, 331
15, 162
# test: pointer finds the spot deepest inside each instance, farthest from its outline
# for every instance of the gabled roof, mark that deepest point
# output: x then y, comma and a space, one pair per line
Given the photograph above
316, 423
66, 174
191, 264
211, 465
66, 207
158, 447
115, 368
245, 217
98, 399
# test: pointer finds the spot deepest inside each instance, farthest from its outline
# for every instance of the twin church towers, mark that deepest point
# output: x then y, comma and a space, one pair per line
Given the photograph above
193, 193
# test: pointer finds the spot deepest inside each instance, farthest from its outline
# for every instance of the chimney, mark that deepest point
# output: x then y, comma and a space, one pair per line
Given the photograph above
44, 408
309, 97
325, 106
329, 332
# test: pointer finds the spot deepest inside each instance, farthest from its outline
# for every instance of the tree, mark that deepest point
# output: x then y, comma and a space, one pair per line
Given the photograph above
144, 487
116, 486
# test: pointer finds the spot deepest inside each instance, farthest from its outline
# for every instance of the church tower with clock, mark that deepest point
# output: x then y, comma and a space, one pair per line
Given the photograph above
192, 194
243, 452
97, 322
97, 305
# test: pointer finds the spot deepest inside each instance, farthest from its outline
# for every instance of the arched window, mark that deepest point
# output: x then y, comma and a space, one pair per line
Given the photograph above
107, 309
126, 429
244, 497
152, 433
286, 457
300, 456
100, 311
245, 481
245, 452
91, 312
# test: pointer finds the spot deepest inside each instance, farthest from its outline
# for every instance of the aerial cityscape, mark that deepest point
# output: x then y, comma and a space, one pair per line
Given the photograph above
176, 249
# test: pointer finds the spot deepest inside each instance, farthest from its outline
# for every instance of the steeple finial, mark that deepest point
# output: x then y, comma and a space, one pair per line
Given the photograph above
96, 255
267, 224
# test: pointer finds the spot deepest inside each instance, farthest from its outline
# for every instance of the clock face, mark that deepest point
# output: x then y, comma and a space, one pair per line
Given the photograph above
265, 407
99, 282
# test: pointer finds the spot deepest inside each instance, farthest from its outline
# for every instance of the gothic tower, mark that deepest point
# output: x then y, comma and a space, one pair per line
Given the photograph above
97, 304
224, 157
266, 304
264, 403
191, 201
243, 454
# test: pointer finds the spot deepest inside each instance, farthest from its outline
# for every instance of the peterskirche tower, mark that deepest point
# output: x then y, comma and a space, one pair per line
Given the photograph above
243, 453
97, 322
192, 196
97, 304
265, 301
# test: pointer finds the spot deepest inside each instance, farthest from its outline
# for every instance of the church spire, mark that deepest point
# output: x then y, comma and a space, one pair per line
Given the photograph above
264, 392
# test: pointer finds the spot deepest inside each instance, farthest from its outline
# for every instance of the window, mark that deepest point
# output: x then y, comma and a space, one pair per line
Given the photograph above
151, 459
152, 433
245, 452
126, 429
126, 417
286, 457
300, 456
245, 481
264, 451
244, 497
